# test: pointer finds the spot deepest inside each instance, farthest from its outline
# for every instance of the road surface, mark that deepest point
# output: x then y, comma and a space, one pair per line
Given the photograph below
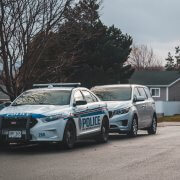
142, 158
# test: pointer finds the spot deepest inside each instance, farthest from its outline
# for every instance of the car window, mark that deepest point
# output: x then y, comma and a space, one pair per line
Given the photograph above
43, 97
142, 92
94, 98
87, 96
78, 96
136, 92
114, 93
147, 92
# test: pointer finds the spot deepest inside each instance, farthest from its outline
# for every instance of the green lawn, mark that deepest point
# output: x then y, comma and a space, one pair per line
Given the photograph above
175, 118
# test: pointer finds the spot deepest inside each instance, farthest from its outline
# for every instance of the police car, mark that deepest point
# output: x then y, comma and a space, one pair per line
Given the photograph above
55, 113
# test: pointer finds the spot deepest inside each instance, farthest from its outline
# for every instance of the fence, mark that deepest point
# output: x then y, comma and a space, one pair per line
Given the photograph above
168, 108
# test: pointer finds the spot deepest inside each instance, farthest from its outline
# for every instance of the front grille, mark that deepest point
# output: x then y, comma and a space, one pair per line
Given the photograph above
17, 123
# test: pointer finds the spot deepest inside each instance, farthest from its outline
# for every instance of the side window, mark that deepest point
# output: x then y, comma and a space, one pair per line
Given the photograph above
147, 92
88, 96
94, 98
142, 92
136, 92
78, 96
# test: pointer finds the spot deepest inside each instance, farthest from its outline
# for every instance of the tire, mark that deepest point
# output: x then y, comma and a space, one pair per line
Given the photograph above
104, 135
153, 128
69, 138
3, 144
134, 128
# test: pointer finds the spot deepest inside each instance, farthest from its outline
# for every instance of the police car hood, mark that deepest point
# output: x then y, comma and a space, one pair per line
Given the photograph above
113, 105
33, 110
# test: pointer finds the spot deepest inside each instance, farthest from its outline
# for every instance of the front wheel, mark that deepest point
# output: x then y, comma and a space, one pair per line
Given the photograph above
104, 135
3, 144
134, 128
69, 135
153, 128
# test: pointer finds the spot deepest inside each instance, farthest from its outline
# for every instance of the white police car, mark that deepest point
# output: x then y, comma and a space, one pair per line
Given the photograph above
55, 113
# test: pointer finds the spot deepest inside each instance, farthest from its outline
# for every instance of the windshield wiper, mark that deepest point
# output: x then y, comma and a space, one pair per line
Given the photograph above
18, 104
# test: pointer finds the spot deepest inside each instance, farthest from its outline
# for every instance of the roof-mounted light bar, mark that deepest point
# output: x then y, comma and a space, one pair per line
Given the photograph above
51, 85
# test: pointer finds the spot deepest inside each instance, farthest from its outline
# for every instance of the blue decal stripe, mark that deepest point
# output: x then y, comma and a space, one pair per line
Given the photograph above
93, 113
89, 111
25, 115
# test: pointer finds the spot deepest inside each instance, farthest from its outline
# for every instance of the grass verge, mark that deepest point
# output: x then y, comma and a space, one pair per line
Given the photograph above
175, 118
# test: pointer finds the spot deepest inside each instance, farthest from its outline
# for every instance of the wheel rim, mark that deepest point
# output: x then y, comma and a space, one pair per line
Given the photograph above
104, 133
154, 124
134, 127
70, 136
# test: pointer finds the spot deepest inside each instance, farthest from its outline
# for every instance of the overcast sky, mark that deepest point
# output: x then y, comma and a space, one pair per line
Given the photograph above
155, 23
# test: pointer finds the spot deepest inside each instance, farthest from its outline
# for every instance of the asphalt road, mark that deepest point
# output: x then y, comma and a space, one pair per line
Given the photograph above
145, 157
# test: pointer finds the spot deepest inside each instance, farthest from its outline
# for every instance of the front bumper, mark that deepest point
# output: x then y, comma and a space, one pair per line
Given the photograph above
121, 123
40, 132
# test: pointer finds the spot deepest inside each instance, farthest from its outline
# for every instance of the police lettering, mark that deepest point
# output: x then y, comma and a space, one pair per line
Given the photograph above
90, 122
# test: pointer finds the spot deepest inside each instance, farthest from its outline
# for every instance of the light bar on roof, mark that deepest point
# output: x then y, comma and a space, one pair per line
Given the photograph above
51, 85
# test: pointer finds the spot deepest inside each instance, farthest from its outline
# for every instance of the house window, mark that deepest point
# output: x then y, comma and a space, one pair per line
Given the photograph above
155, 92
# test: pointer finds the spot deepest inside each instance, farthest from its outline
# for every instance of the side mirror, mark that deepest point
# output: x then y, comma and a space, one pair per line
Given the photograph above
139, 99
7, 104
79, 103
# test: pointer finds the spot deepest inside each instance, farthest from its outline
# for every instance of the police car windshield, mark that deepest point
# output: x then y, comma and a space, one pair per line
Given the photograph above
44, 97
114, 94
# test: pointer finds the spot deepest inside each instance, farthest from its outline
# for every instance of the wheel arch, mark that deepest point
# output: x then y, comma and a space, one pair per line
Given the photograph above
136, 116
106, 119
71, 119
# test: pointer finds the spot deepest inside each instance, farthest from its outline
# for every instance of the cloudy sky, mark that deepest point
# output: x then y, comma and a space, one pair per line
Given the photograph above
155, 23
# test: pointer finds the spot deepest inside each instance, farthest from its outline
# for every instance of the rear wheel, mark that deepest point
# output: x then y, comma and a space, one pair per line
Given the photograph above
69, 135
134, 128
153, 128
104, 135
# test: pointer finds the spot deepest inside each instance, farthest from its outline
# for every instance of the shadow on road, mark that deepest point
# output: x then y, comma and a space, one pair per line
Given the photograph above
54, 148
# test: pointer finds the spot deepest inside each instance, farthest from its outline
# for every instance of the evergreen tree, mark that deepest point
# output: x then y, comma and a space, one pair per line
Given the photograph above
87, 51
173, 63
170, 65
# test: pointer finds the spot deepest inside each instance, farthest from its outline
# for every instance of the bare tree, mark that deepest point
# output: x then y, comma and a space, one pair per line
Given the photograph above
22, 21
143, 58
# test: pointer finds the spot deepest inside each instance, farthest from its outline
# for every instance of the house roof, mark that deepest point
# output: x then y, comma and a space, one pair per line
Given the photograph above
161, 78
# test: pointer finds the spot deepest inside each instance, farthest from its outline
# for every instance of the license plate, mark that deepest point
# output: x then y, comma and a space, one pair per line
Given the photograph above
15, 134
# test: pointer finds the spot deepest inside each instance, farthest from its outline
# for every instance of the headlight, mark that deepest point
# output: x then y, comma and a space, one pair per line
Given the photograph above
51, 118
121, 111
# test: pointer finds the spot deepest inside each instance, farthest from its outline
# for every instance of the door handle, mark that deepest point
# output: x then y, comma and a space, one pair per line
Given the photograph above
143, 106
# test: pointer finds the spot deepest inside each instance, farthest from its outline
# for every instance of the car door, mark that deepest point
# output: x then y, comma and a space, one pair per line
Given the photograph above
150, 106
139, 108
144, 107
94, 115
79, 111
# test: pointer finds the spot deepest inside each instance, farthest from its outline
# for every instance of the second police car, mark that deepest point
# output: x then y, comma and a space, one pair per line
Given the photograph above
55, 113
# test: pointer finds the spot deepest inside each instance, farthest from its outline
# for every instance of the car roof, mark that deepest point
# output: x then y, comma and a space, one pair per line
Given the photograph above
57, 88
118, 85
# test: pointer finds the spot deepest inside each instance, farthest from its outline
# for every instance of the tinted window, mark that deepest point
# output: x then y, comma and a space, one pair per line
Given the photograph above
43, 97
113, 94
142, 92
87, 96
78, 96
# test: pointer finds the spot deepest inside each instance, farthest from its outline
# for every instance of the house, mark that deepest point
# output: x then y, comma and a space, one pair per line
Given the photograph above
164, 87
